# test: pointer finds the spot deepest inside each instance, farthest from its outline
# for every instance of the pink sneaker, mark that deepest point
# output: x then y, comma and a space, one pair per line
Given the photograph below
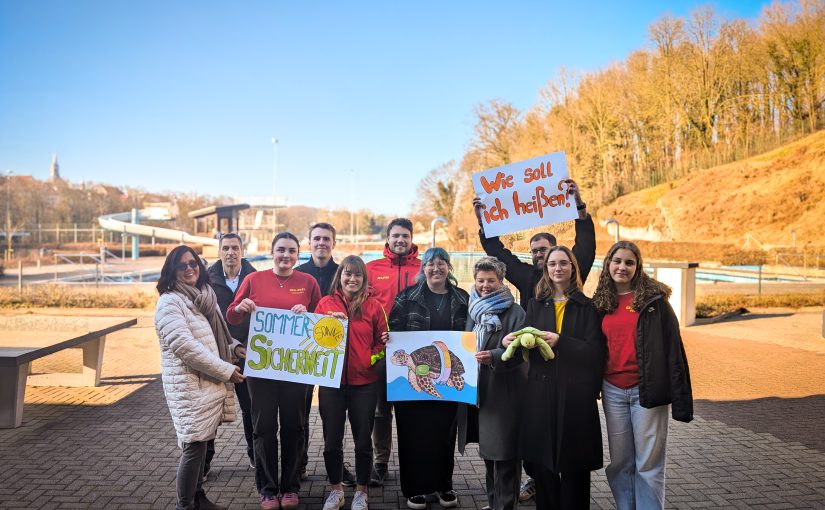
270, 503
289, 501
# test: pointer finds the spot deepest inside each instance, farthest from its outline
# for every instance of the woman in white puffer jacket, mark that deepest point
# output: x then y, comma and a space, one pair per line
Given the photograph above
196, 362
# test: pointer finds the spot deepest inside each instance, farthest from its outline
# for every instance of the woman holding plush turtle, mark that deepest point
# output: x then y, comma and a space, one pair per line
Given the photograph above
493, 312
646, 371
427, 429
560, 438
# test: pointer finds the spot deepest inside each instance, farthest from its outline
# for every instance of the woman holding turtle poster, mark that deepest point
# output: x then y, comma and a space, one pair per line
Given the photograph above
427, 429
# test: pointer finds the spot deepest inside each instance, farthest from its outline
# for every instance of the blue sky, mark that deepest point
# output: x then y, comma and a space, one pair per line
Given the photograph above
186, 96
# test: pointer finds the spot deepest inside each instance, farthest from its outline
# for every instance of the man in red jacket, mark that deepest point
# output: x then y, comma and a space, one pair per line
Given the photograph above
387, 277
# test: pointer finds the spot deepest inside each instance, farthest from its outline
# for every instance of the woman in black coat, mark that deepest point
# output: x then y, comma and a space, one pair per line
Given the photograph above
646, 374
560, 439
427, 429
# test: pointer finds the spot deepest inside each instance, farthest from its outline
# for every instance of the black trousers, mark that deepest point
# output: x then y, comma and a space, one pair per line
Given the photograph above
307, 410
426, 446
274, 402
190, 472
566, 491
335, 404
503, 481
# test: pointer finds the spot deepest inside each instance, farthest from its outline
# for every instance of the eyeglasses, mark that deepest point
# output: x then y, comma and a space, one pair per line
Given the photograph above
181, 266
562, 264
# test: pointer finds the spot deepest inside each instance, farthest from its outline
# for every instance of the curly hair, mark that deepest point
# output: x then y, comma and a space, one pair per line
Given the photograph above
544, 289
644, 287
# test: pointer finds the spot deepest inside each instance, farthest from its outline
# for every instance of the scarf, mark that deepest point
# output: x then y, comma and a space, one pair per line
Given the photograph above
485, 311
206, 302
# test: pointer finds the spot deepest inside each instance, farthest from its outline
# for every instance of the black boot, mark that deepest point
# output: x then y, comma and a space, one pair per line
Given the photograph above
203, 503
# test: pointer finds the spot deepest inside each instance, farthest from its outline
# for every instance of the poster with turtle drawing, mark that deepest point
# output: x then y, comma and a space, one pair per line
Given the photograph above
432, 365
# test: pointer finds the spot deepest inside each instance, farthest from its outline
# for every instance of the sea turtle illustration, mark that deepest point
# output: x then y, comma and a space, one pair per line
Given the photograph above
431, 365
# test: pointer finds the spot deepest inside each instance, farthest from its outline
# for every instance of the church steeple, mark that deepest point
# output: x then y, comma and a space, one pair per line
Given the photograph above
54, 172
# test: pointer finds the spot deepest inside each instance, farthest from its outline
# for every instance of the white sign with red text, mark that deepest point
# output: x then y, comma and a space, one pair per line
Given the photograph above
526, 194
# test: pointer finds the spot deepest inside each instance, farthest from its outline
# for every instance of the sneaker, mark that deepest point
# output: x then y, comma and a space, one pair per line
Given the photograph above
348, 479
203, 503
289, 501
270, 503
359, 501
379, 472
447, 499
527, 490
206, 469
252, 463
304, 474
335, 500
417, 502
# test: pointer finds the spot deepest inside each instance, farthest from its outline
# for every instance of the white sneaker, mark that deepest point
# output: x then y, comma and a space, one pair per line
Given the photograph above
335, 500
527, 490
359, 501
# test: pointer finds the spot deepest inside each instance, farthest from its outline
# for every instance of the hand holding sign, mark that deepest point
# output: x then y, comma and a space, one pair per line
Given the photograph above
526, 194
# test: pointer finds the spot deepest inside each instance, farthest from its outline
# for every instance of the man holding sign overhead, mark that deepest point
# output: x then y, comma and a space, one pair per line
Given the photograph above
528, 194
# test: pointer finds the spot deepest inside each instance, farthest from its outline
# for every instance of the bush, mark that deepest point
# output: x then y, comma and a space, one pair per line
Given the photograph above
711, 306
65, 296
739, 257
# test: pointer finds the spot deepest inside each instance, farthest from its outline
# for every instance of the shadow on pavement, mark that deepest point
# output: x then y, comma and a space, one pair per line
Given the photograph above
789, 419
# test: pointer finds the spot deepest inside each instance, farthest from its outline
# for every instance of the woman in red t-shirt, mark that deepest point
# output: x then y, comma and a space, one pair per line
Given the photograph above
287, 289
358, 393
646, 371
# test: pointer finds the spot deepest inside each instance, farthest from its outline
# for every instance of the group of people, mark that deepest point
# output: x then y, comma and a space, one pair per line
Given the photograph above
622, 346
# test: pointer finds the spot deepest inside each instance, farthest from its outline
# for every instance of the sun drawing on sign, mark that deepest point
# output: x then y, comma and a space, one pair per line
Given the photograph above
327, 333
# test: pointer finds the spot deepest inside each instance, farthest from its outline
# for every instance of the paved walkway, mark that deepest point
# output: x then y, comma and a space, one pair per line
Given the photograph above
757, 440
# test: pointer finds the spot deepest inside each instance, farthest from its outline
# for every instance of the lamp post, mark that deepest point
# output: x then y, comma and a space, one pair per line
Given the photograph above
274, 186
439, 219
614, 220
8, 214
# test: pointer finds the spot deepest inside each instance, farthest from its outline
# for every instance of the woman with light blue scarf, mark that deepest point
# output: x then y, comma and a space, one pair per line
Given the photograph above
492, 314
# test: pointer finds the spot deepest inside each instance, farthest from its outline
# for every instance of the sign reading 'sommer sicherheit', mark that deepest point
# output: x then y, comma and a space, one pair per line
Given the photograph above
305, 348
526, 194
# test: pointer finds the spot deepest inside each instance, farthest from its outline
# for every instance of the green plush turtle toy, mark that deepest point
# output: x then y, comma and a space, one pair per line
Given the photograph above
529, 338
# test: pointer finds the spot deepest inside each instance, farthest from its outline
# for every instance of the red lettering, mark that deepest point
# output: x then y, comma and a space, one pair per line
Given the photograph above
496, 213
538, 202
534, 174
502, 181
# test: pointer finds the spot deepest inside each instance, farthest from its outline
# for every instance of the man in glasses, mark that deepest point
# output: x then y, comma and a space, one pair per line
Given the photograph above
226, 276
526, 276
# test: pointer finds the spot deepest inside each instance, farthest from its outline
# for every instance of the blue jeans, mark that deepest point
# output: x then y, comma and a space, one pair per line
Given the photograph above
637, 438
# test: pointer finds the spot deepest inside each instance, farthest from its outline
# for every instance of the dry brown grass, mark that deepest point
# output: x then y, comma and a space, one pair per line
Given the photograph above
712, 305
63, 296
767, 196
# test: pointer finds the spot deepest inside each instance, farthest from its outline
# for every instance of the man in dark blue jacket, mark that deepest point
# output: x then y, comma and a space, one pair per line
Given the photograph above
226, 276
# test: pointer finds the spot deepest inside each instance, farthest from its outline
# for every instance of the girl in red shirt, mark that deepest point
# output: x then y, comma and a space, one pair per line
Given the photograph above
366, 334
646, 373
287, 289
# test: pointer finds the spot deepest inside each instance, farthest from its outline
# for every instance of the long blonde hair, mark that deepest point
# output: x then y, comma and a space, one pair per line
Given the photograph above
606, 298
544, 289
354, 264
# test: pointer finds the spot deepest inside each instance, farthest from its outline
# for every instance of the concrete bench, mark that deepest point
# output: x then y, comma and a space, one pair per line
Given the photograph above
24, 339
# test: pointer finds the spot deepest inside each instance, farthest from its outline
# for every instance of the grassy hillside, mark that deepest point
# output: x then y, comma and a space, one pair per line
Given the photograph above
767, 196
